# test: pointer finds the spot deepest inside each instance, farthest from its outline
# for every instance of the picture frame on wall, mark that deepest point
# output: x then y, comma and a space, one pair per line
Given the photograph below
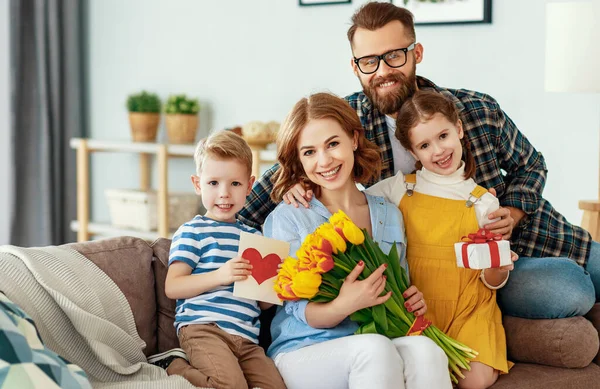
322, 2
449, 11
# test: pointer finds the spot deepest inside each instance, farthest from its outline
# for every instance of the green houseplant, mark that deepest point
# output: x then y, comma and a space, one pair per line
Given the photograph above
144, 116
182, 118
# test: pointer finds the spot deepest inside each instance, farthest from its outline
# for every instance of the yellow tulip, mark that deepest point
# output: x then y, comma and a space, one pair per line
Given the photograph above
306, 284
346, 228
327, 232
282, 286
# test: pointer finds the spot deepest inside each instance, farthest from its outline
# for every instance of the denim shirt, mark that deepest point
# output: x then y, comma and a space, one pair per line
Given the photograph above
289, 329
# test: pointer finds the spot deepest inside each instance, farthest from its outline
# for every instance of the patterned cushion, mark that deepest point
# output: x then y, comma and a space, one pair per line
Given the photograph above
24, 360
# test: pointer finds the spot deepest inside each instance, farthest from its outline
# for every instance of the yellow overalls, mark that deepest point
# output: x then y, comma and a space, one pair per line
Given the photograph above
458, 303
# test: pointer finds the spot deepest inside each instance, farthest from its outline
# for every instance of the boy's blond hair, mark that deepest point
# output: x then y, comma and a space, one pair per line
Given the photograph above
223, 145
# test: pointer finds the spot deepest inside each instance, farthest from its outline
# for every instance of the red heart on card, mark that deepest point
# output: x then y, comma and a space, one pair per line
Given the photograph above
263, 268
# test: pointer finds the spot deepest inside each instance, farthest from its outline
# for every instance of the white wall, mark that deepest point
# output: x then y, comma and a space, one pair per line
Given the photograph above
251, 60
5, 160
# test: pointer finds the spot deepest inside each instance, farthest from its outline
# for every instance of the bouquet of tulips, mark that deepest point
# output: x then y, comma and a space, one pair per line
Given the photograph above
329, 254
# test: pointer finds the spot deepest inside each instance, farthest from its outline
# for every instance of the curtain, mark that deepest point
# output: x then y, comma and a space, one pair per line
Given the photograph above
47, 106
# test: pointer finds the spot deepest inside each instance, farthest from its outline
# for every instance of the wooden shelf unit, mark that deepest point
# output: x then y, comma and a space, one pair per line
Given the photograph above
84, 147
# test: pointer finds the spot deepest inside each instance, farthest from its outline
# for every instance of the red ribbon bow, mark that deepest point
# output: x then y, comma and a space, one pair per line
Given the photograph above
482, 236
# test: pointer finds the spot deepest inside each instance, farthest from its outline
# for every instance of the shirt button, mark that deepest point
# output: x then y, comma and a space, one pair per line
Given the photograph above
380, 222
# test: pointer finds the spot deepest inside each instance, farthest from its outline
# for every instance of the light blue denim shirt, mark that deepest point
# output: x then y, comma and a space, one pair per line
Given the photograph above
289, 329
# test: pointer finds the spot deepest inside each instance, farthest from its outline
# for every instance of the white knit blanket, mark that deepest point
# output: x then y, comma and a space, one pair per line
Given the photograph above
81, 315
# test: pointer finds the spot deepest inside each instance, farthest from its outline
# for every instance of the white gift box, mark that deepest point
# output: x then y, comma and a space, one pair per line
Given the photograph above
485, 255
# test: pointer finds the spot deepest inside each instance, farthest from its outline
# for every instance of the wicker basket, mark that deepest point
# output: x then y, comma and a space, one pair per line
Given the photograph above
144, 126
137, 209
181, 128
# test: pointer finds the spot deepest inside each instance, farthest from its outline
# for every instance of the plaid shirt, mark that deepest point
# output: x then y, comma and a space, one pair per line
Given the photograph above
26, 363
505, 161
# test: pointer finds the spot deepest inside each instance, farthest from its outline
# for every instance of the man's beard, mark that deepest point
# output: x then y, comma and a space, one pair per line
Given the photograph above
392, 101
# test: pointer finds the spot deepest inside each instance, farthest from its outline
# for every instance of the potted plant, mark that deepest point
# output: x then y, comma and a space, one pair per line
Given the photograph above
144, 116
181, 119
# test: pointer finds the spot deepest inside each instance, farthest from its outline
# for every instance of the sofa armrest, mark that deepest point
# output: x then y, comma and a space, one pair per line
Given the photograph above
594, 317
571, 342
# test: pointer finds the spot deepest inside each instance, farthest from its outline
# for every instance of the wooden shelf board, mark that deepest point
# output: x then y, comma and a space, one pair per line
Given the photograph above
267, 155
108, 230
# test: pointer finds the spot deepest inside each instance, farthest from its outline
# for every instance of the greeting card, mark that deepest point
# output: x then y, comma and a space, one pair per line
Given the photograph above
265, 255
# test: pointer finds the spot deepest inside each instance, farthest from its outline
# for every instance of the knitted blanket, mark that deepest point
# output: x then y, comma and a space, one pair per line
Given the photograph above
81, 315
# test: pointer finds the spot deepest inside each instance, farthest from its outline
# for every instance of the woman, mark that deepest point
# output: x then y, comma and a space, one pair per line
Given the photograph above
322, 144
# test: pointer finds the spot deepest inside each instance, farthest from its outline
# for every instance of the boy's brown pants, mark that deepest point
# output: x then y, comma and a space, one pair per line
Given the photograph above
221, 360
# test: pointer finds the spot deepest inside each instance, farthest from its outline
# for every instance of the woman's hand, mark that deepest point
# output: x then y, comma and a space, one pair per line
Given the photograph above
414, 301
355, 295
296, 194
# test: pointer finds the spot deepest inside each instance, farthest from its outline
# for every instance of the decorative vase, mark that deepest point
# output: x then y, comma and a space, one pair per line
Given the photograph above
144, 126
181, 128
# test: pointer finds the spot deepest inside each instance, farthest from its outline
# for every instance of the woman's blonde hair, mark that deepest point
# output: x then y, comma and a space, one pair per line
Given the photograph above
367, 160
223, 144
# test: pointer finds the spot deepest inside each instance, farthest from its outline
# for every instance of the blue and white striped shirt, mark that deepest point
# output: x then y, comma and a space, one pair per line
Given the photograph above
205, 245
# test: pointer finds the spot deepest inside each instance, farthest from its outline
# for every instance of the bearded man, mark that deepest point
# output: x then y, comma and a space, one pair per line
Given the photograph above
558, 273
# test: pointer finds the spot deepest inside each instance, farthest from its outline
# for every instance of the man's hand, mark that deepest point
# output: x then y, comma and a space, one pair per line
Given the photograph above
509, 218
236, 269
297, 194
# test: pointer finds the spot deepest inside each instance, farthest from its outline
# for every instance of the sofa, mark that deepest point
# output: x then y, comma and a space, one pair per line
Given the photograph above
561, 353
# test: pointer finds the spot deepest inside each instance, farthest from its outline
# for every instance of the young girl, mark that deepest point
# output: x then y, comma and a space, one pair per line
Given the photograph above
442, 203
322, 144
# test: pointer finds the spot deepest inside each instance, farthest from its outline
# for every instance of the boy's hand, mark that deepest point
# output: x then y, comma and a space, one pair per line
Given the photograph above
236, 269
296, 194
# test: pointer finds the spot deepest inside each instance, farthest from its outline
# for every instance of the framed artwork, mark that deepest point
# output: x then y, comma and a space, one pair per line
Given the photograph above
322, 2
434, 12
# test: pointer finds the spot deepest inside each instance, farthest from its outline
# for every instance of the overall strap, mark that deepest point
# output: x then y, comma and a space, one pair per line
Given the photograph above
410, 180
475, 195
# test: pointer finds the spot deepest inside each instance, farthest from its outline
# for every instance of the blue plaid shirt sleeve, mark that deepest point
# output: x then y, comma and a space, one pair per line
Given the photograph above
258, 203
525, 167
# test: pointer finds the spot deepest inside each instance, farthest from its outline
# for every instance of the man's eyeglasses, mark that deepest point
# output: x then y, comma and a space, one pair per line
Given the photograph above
394, 59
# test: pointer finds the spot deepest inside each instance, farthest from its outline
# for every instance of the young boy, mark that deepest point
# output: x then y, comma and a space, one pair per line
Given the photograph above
218, 331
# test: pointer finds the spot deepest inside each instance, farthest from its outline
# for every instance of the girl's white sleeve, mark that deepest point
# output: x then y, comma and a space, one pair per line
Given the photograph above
392, 189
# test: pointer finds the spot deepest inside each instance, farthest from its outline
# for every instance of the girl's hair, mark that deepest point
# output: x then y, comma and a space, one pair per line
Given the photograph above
367, 160
421, 107
223, 144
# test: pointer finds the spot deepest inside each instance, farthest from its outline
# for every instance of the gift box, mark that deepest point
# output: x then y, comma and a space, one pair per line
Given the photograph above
482, 250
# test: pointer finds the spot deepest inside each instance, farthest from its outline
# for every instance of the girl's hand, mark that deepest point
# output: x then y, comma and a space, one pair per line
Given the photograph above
236, 269
414, 301
355, 295
495, 276
296, 194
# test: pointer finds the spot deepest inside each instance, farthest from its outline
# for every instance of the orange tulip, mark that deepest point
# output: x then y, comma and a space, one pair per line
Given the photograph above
327, 232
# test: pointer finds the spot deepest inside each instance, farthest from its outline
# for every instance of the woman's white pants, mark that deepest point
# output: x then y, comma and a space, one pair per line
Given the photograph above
366, 361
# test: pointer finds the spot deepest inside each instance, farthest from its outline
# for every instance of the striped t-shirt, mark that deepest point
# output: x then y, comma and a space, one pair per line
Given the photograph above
205, 245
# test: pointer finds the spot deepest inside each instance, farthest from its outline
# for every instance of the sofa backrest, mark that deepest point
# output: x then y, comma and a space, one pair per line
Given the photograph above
165, 332
128, 262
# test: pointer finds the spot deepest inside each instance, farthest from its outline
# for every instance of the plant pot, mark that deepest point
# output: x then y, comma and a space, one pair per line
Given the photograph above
181, 128
143, 126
